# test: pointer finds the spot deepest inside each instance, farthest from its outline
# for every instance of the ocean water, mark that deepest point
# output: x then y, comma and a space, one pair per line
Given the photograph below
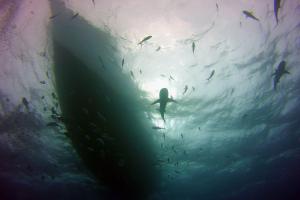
76, 94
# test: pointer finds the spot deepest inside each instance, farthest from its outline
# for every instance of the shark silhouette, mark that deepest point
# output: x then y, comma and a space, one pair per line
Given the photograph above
279, 72
163, 100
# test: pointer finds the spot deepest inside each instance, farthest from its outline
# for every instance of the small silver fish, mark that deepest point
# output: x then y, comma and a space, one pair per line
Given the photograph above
276, 9
131, 73
185, 89
211, 75
157, 128
193, 47
145, 39
250, 15
74, 16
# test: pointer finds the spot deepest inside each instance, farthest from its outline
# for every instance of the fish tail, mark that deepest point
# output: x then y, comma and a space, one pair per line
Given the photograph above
163, 116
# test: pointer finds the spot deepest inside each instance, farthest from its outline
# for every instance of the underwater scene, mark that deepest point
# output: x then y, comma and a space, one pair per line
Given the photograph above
149, 100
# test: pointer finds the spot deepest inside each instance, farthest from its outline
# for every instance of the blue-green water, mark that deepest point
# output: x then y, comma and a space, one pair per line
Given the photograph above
230, 137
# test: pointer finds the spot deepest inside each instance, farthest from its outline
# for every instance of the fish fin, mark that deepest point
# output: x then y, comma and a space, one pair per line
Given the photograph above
172, 100
155, 102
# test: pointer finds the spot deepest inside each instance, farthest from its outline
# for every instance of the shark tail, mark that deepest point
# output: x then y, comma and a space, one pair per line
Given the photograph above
163, 116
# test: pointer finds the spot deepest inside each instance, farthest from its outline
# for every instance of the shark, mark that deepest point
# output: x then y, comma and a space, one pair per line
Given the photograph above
163, 100
280, 71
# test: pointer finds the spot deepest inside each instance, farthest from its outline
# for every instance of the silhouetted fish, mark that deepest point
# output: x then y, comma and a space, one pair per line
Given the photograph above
157, 128
74, 16
250, 15
25, 103
211, 75
52, 124
53, 16
276, 9
279, 73
145, 39
193, 47
163, 100
131, 73
185, 89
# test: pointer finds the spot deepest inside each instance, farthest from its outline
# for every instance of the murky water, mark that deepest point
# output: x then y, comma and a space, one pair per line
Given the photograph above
77, 80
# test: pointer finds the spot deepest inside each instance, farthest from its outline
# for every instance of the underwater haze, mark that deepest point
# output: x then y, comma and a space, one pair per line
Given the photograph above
83, 114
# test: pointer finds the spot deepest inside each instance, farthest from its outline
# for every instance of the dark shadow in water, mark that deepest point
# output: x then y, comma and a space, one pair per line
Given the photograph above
102, 127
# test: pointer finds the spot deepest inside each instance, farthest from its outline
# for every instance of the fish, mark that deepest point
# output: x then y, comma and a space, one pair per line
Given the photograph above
74, 16
123, 61
163, 100
217, 6
25, 103
250, 15
181, 136
53, 16
141, 71
276, 9
158, 48
43, 82
162, 75
211, 75
101, 61
54, 111
185, 89
157, 128
85, 111
131, 73
52, 124
193, 88
100, 141
193, 47
145, 39
101, 116
280, 71
171, 78
93, 1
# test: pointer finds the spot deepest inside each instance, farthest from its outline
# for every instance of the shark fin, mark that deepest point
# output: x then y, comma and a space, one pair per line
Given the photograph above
172, 100
155, 102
